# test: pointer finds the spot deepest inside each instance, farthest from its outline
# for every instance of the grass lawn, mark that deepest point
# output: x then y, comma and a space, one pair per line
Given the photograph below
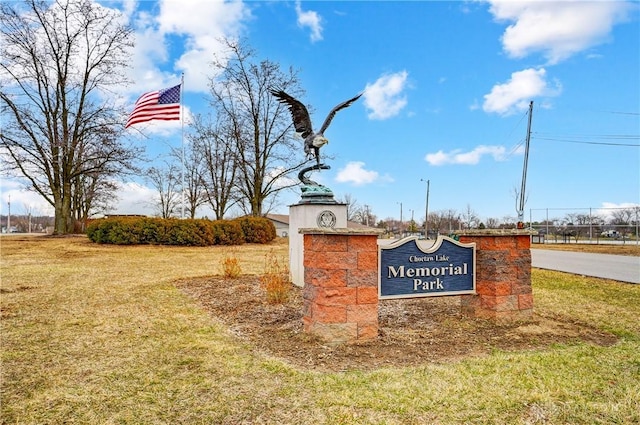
96, 334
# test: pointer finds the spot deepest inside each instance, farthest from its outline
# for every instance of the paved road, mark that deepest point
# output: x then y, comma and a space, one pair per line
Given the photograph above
616, 267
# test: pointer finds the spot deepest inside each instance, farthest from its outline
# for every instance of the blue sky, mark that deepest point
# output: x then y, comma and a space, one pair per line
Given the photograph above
446, 91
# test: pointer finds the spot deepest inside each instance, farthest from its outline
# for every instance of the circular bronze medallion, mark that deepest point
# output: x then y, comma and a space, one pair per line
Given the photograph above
326, 219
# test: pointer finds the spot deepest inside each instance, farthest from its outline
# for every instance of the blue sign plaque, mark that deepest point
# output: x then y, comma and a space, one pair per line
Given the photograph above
406, 270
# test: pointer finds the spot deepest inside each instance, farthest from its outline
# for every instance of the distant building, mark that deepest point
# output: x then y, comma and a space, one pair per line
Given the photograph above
281, 221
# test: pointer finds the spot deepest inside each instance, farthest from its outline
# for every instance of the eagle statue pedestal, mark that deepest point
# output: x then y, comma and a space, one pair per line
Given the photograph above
316, 209
317, 194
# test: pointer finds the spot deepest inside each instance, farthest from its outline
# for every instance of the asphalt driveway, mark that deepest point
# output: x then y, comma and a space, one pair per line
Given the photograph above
616, 267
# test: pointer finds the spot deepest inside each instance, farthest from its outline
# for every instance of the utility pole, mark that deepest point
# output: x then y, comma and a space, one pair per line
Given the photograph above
9, 216
520, 224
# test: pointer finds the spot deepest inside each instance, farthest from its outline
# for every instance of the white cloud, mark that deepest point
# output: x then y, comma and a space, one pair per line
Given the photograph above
355, 173
22, 200
608, 209
197, 26
278, 178
134, 198
515, 94
558, 29
129, 7
472, 157
310, 19
385, 97
131, 198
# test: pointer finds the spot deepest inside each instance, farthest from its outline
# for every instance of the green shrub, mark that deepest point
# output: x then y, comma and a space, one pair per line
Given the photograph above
94, 231
257, 229
119, 231
188, 232
202, 232
177, 232
123, 232
205, 232
227, 232
150, 230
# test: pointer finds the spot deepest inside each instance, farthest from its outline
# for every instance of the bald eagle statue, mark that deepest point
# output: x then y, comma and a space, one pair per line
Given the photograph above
313, 141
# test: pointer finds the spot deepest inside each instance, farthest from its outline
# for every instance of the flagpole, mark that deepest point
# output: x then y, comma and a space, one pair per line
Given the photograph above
182, 140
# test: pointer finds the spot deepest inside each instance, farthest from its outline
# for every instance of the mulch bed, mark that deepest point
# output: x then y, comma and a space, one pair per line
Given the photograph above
411, 331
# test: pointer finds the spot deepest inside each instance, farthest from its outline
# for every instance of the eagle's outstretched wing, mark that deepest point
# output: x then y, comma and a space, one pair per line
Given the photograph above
343, 105
299, 113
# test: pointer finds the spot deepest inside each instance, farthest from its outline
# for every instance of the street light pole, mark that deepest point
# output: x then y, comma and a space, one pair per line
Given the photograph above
426, 212
400, 219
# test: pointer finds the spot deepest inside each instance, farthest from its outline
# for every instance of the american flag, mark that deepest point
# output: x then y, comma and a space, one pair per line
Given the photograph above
156, 105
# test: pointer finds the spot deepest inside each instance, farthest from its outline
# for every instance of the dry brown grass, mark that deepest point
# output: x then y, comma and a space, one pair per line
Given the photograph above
630, 249
96, 334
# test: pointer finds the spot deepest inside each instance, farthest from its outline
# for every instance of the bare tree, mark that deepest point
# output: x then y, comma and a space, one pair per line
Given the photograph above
469, 218
493, 223
259, 125
166, 181
92, 193
353, 208
192, 166
509, 222
214, 144
571, 229
624, 218
453, 220
440, 221
393, 225
364, 216
59, 59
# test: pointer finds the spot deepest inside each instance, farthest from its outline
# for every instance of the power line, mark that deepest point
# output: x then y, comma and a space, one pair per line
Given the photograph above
520, 142
515, 148
594, 136
622, 113
584, 142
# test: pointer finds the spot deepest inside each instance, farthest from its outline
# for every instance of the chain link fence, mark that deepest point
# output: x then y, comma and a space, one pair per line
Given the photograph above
586, 225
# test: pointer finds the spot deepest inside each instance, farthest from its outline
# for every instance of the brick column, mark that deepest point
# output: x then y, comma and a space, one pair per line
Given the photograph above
503, 275
340, 284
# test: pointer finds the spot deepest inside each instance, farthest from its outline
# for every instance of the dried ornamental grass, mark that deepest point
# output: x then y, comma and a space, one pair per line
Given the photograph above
231, 267
275, 279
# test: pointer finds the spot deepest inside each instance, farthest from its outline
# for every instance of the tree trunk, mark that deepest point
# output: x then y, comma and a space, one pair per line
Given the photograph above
63, 222
59, 225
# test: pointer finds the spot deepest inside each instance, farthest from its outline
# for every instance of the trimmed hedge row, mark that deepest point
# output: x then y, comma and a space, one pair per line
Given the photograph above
201, 232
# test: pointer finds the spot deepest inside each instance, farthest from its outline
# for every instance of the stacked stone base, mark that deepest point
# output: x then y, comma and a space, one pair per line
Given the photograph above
340, 291
341, 281
503, 275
